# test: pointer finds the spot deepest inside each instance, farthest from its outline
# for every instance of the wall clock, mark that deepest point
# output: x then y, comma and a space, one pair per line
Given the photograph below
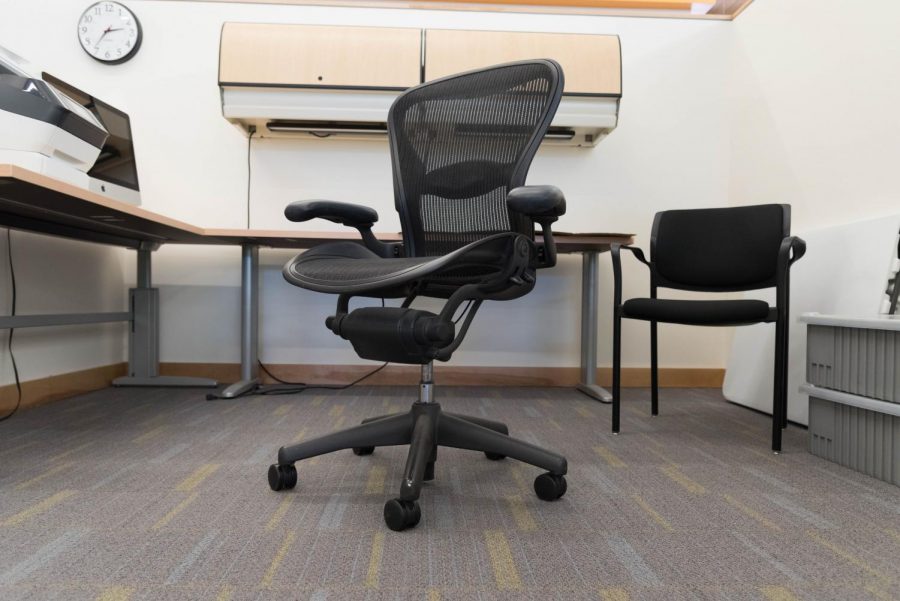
109, 32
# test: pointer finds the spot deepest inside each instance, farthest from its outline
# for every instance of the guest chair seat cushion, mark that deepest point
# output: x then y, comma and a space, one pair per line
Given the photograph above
699, 312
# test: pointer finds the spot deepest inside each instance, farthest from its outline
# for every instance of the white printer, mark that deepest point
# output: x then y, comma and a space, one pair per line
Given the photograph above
42, 129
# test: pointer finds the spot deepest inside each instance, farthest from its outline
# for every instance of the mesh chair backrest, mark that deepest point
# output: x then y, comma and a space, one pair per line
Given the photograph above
733, 248
459, 144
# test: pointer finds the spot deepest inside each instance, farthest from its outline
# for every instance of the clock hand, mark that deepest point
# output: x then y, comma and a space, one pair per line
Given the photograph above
106, 31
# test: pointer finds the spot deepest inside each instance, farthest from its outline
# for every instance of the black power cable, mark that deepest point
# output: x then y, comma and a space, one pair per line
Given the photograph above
12, 356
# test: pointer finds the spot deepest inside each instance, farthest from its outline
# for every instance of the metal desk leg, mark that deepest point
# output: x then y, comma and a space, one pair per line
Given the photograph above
589, 307
143, 339
249, 324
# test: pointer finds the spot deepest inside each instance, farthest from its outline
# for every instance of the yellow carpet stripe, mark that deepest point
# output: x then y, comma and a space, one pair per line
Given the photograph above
339, 422
653, 513
375, 483
749, 511
609, 457
116, 593
585, 412
554, 423
52, 471
149, 434
299, 436
375, 560
282, 410
225, 594
317, 401
524, 521
689, 485
846, 555
894, 534
336, 410
194, 480
71, 451
38, 508
614, 594
175, 511
878, 592
433, 594
777, 593
269, 576
519, 477
278, 514
505, 572
661, 456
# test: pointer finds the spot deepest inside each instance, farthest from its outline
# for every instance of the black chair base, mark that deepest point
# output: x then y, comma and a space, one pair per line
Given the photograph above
425, 427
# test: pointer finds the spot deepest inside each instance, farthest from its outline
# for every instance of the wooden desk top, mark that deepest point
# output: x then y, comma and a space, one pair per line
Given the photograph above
34, 202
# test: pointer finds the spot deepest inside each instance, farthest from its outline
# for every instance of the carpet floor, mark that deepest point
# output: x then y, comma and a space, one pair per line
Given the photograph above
127, 494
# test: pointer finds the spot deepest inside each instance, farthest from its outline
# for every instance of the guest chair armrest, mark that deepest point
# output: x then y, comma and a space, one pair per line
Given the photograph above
353, 215
615, 251
543, 205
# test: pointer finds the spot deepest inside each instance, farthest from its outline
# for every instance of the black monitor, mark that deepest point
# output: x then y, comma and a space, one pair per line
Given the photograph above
116, 163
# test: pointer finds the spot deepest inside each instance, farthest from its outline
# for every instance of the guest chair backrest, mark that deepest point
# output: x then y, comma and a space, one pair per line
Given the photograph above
719, 250
459, 145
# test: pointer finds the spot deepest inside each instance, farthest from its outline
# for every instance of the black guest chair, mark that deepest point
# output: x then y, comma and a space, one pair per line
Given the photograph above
460, 150
713, 250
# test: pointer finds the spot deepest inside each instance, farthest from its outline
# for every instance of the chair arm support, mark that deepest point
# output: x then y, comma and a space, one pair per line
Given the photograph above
791, 250
357, 216
543, 205
615, 252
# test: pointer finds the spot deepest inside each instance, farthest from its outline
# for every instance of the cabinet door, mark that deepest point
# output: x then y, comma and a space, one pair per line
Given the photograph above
591, 63
310, 55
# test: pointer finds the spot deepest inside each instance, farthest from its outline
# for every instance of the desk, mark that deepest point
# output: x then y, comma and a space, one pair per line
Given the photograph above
33, 202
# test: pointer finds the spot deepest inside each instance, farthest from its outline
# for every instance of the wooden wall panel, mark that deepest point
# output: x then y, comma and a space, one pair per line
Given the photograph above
311, 55
592, 63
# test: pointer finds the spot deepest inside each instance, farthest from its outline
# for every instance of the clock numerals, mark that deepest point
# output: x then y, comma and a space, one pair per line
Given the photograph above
109, 32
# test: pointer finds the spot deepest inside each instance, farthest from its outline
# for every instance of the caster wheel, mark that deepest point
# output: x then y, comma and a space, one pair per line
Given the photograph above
282, 477
494, 456
400, 515
549, 487
363, 451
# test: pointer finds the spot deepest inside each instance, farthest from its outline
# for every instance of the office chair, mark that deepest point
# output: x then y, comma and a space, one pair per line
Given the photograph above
713, 250
460, 147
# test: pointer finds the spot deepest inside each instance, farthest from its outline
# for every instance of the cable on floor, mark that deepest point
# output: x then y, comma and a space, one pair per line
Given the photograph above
9, 344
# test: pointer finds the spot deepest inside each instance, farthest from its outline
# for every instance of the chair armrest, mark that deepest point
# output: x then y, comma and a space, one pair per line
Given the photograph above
344, 213
352, 215
544, 205
615, 251
537, 202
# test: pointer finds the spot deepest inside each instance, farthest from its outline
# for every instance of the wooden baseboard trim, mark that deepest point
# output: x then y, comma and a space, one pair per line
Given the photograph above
452, 375
52, 388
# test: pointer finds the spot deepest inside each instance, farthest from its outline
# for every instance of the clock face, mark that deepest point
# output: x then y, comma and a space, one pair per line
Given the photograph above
109, 32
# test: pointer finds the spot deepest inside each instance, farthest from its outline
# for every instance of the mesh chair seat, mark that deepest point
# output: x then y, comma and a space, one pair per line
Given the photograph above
347, 267
703, 312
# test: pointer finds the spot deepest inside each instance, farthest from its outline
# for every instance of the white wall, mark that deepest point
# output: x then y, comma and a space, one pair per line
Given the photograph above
815, 94
671, 150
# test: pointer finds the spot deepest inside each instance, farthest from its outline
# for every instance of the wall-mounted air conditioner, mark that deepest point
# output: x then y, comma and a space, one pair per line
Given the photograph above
339, 82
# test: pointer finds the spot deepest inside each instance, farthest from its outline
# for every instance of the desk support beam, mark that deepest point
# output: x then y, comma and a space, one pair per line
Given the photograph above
249, 324
143, 338
589, 309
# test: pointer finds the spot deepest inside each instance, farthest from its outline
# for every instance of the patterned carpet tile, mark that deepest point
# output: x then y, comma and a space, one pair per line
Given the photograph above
127, 495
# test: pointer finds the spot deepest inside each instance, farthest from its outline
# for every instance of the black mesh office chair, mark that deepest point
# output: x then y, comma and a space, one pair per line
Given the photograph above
460, 149
713, 250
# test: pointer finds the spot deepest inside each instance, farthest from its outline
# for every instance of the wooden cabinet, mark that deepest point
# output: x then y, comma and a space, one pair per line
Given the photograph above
591, 63
311, 55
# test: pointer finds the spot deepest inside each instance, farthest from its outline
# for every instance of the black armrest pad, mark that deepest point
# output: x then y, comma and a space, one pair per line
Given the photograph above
339, 212
537, 201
